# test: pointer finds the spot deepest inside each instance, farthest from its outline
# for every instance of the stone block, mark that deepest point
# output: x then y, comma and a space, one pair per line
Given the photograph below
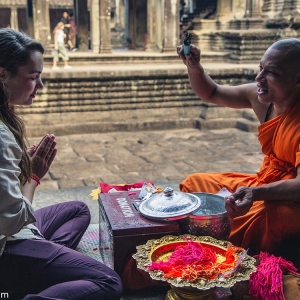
68, 184
48, 185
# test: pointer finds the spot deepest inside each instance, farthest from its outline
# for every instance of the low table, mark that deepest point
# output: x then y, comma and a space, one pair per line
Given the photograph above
122, 228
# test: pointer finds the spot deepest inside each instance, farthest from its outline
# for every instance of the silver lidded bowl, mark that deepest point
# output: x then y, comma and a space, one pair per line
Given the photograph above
169, 205
210, 219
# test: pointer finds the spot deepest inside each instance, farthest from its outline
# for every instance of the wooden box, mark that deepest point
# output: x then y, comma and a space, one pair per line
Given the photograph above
122, 228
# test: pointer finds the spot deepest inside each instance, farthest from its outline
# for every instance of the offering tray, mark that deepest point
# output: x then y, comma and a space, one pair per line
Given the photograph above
161, 250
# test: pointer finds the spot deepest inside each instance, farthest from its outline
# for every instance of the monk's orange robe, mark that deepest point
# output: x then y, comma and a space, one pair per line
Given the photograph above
267, 224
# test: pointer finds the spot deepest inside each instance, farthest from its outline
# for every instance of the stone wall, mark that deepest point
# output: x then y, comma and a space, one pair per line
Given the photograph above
102, 101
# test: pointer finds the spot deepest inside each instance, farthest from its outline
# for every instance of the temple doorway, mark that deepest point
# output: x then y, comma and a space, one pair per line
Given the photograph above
205, 8
137, 25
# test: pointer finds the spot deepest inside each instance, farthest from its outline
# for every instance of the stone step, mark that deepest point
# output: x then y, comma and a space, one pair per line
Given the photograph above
136, 125
96, 105
239, 123
126, 57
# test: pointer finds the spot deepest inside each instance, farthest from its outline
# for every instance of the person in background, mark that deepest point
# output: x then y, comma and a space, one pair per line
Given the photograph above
264, 207
181, 11
72, 31
65, 20
37, 256
59, 47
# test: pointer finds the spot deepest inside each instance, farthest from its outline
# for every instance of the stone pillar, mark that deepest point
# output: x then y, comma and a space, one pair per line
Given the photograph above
126, 21
151, 25
224, 9
117, 13
171, 25
105, 36
256, 9
291, 7
252, 9
269, 8
40, 21
159, 24
82, 21
297, 6
14, 17
29, 11
95, 25
248, 8
191, 6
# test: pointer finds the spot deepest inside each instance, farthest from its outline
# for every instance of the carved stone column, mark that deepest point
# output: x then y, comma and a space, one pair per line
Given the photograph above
269, 8
82, 21
38, 14
126, 21
224, 9
120, 13
256, 9
291, 7
171, 26
159, 24
151, 25
297, 6
14, 17
252, 9
248, 10
95, 25
105, 36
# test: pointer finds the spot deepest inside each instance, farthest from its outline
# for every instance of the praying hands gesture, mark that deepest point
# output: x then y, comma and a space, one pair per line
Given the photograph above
42, 155
240, 202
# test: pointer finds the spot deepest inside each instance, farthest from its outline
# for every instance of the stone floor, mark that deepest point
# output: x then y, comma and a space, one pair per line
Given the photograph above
165, 157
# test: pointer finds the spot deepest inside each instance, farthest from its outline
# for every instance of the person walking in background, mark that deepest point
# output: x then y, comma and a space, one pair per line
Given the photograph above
59, 46
72, 31
65, 20
181, 11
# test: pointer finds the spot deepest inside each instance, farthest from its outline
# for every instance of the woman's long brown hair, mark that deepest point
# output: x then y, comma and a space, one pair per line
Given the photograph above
15, 50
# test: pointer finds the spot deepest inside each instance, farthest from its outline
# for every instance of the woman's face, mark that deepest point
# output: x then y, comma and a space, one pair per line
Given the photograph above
22, 87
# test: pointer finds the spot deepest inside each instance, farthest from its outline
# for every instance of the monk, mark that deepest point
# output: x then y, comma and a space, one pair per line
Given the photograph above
264, 207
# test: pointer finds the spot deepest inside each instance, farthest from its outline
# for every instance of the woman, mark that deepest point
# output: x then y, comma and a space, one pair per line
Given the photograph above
37, 260
59, 46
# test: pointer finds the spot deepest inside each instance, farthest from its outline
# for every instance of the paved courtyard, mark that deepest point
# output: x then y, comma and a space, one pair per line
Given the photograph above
165, 157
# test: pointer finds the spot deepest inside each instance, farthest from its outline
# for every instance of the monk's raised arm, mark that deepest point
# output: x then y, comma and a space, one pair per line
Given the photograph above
242, 96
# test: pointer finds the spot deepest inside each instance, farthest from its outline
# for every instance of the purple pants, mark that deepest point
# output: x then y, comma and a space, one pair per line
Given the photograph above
49, 269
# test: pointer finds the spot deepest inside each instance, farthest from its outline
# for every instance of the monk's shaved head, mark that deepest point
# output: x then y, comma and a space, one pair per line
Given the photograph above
291, 47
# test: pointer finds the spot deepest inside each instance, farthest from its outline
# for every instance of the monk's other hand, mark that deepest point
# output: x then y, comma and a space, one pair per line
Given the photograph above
192, 59
44, 155
239, 203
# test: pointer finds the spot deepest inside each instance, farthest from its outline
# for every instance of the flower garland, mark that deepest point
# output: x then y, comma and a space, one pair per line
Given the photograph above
194, 261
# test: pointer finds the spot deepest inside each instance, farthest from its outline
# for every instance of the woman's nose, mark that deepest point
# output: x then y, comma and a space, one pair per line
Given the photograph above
40, 84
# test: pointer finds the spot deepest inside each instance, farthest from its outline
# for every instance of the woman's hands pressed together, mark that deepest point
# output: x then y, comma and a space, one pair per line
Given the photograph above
42, 155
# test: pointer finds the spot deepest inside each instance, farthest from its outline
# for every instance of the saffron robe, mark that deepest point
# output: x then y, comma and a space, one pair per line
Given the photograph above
267, 224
